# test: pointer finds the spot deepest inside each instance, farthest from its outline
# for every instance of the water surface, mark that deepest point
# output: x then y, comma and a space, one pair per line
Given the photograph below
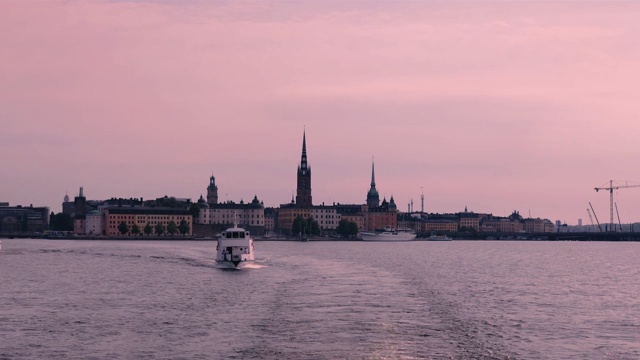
320, 300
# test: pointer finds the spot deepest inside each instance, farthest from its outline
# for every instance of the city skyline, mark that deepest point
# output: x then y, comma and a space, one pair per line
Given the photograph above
491, 106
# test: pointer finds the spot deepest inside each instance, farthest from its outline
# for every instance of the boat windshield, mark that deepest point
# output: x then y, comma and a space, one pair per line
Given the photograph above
235, 235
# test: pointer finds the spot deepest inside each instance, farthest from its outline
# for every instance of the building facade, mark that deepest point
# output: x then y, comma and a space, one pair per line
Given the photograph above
23, 219
143, 216
326, 216
94, 223
222, 216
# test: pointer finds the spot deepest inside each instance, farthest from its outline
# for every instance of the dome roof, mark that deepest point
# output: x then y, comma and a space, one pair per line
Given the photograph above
392, 203
202, 204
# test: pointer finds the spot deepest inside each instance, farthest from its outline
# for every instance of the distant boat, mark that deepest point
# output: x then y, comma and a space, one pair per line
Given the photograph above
388, 234
439, 238
235, 248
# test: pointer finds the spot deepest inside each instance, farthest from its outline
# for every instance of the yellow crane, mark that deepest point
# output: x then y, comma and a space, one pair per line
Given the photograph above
618, 185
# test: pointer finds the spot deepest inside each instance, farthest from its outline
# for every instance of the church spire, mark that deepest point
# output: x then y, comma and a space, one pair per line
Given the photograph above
303, 196
373, 175
373, 198
303, 161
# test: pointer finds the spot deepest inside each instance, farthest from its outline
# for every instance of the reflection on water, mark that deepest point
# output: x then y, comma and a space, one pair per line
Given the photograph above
320, 300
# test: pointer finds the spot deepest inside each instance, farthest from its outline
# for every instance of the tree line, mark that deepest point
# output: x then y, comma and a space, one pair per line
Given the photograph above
172, 228
307, 227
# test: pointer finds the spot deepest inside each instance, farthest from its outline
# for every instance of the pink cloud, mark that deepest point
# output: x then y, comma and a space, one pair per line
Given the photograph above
493, 105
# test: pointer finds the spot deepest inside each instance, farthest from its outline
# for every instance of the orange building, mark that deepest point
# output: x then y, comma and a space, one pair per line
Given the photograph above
440, 225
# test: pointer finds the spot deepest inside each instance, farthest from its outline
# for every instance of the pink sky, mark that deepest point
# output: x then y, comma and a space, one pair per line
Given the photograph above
492, 105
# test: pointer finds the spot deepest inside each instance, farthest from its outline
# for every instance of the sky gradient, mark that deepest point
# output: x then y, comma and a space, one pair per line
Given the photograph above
497, 106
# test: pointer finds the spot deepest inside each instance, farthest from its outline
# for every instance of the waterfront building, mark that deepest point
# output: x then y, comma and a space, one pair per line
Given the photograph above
379, 215
352, 213
326, 216
141, 216
469, 220
269, 219
537, 225
221, 216
439, 225
502, 225
94, 223
372, 215
90, 217
23, 219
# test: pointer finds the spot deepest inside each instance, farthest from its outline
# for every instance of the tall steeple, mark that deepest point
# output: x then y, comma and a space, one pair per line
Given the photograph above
373, 198
303, 196
303, 160
212, 191
373, 175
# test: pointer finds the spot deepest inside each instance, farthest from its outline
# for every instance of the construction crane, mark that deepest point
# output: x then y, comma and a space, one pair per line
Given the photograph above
591, 218
618, 185
594, 214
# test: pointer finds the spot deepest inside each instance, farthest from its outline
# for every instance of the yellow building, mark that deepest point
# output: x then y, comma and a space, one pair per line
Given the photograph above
470, 221
141, 216
326, 216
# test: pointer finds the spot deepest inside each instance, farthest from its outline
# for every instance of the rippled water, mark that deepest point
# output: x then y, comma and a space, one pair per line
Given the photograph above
320, 300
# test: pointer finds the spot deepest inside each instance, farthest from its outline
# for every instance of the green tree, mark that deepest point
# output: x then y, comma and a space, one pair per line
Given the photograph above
159, 229
352, 228
135, 229
194, 209
60, 222
184, 227
172, 227
343, 228
314, 227
148, 229
467, 229
302, 226
123, 228
298, 227
347, 228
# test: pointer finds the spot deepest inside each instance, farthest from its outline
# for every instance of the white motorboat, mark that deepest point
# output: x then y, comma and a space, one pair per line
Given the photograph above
388, 234
235, 248
439, 238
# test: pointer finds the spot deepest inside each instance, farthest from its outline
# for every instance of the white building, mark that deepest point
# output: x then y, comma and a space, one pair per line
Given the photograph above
93, 225
249, 216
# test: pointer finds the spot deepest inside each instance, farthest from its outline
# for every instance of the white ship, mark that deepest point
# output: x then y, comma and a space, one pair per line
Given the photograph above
439, 238
235, 248
388, 234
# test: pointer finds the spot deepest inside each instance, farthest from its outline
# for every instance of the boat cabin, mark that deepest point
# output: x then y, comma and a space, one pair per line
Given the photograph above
236, 234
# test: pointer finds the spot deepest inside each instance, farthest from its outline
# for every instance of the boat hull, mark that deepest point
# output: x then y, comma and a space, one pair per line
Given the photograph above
394, 236
439, 238
233, 265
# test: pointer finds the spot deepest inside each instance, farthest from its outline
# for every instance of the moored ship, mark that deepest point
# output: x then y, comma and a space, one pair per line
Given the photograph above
388, 234
439, 238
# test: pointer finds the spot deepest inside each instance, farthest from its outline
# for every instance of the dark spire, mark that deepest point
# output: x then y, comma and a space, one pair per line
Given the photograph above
373, 175
373, 198
303, 161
